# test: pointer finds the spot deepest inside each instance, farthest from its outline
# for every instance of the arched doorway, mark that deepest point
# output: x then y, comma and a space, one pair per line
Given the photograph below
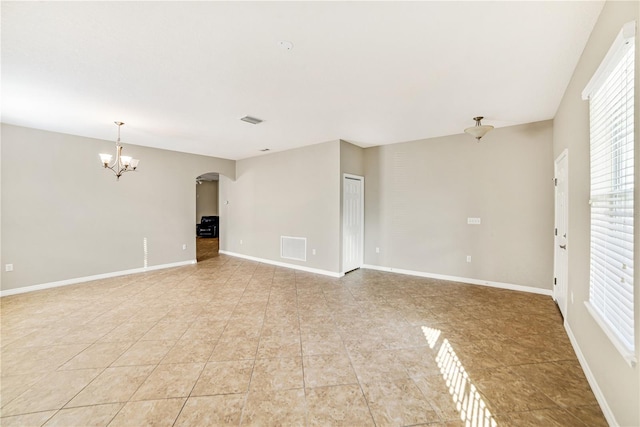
207, 216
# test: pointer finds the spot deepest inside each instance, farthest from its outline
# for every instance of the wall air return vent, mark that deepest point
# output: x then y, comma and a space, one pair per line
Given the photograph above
252, 120
293, 248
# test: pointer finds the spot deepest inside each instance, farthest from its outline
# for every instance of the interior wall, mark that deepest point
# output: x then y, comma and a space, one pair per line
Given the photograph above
206, 199
351, 159
618, 382
292, 193
66, 217
418, 196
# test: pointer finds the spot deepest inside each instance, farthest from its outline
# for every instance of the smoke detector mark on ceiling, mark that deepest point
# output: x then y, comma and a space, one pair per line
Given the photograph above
285, 45
252, 120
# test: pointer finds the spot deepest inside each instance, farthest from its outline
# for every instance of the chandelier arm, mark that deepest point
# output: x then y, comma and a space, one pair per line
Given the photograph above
112, 170
119, 151
115, 160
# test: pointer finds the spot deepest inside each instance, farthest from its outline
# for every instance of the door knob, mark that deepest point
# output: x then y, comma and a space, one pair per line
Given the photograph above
563, 246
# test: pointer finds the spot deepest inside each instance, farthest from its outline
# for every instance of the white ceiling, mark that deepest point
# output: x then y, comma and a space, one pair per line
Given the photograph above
182, 74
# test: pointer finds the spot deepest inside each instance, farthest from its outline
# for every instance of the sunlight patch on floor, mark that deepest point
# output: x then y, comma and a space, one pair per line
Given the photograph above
473, 410
431, 335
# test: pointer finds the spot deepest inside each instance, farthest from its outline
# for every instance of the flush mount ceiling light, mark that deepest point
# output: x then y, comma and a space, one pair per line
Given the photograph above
252, 120
122, 163
479, 130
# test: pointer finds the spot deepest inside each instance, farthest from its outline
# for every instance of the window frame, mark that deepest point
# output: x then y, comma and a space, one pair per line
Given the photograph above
620, 47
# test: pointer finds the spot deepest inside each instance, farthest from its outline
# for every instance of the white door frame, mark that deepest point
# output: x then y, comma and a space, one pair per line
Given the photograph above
346, 176
560, 238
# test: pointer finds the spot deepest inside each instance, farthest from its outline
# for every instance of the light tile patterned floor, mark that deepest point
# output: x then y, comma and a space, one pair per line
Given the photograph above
233, 342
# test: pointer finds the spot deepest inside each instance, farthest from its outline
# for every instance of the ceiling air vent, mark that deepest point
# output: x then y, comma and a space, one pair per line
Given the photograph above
252, 120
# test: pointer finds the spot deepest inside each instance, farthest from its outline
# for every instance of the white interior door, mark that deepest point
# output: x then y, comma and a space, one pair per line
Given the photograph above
352, 222
561, 259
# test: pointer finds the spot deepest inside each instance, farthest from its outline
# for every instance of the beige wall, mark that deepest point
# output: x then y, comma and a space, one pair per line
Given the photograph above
418, 196
206, 199
292, 193
65, 217
351, 159
618, 382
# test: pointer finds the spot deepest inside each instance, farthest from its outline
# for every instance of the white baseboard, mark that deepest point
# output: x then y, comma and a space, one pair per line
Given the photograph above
500, 285
66, 282
283, 264
606, 410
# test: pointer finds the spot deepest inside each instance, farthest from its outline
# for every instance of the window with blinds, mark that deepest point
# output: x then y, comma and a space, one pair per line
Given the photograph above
611, 112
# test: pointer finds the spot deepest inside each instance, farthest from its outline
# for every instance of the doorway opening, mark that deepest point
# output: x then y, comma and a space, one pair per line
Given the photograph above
560, 253
207, 216
352, 222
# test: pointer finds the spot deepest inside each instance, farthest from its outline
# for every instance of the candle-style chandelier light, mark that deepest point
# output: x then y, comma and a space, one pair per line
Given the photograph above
121, 164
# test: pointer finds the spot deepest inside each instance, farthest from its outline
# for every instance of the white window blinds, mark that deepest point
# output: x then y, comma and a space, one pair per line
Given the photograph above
611, 105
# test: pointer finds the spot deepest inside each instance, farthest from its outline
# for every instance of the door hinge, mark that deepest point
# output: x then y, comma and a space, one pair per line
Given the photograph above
556, 232
555, 281
555, 181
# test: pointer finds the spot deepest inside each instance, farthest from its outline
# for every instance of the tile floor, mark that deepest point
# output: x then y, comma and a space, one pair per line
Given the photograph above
235, 342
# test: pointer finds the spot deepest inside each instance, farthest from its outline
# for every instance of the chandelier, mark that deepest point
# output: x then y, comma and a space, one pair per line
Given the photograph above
479, 130
122, 163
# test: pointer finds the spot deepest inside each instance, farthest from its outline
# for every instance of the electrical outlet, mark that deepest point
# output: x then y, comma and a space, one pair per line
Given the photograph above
184, 246
468, 258
313, 251
377, 250
8, 267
